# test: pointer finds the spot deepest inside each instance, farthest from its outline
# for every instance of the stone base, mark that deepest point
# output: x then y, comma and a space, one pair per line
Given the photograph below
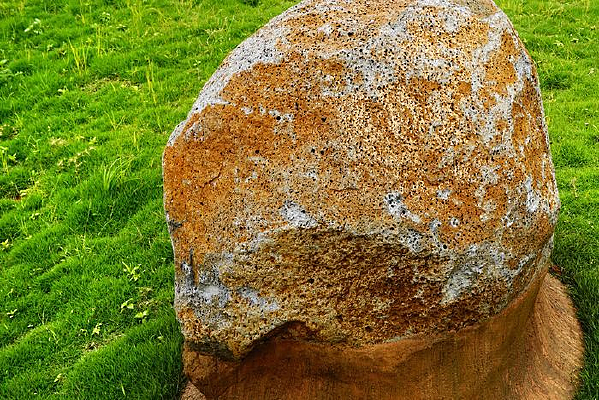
532, 350
192, 393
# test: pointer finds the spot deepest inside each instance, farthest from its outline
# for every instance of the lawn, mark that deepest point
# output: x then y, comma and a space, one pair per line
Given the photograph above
89, 93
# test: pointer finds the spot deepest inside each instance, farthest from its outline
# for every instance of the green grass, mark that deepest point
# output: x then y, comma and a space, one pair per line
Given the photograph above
89, 92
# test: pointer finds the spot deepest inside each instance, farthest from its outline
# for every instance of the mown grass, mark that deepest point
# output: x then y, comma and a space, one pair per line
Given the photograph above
89, 92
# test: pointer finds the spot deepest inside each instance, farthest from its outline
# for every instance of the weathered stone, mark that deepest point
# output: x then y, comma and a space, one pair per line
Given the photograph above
370, 169
357, 173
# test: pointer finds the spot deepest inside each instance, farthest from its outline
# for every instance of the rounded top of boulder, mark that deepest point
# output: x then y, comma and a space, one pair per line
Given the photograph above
358, 172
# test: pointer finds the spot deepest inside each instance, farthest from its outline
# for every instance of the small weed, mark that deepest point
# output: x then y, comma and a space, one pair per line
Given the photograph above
142, 316
135, 7
97, 328
573, 186
5, 158
75, 161
132, 271
114, 122
4, 246
59, 378
127, 305
81, 56
150, 81
35, 27
114, 173
105, 17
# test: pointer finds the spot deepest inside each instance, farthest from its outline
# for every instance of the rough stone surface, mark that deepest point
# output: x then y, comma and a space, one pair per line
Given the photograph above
358, 172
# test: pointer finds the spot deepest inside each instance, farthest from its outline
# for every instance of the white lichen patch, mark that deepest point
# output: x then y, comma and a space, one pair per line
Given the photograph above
533, 200
443, 194
397, 208
296, 215
207, 297
281, 117
326, 29
254, 298
210, 292
459, 282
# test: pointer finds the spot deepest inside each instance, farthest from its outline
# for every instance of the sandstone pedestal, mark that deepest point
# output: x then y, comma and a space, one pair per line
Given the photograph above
362, 204
512, 356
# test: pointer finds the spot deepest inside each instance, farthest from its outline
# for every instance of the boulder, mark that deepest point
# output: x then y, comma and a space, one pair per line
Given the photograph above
358, 174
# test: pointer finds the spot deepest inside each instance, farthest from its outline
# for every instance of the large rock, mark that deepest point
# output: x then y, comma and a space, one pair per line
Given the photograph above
369, 170
359, 172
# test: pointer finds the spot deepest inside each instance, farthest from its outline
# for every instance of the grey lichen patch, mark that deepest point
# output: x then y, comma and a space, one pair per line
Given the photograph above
205, 294
208, 290
482, 8
479, 263
413, 240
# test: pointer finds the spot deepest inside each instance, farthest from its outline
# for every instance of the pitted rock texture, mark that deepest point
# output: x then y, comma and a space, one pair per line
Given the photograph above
358, 172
